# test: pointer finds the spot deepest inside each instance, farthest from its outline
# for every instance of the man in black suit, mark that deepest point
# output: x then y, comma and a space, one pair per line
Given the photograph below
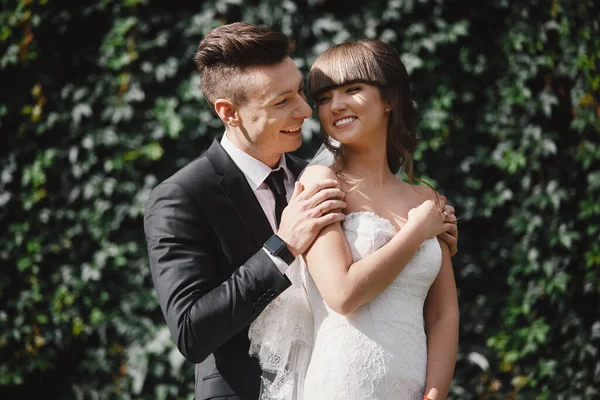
215, 260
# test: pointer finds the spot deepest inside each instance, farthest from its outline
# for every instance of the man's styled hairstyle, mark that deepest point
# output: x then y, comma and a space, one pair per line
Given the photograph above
226, 51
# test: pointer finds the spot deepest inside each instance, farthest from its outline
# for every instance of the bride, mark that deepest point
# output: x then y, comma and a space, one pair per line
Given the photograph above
373, 311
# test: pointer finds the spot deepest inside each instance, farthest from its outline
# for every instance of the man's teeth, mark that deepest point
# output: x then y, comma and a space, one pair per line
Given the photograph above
344, 121
291, 130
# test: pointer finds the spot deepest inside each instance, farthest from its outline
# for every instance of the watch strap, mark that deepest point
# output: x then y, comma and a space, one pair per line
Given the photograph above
286, 255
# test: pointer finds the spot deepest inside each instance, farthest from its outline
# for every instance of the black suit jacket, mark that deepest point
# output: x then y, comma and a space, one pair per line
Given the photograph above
205, 230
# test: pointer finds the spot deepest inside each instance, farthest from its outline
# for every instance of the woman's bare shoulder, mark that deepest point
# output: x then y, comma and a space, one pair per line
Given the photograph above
314, 173
415, 195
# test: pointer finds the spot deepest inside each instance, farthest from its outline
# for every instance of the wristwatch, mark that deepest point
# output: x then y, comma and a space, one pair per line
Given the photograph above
278, 248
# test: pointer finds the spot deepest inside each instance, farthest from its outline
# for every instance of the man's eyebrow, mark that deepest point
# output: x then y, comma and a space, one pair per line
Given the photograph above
300, 86
282, 93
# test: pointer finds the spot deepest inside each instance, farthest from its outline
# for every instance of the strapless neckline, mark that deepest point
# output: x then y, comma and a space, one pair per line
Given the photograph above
386, 222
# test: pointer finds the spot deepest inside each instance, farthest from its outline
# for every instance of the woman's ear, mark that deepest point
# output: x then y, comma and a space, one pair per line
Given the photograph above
388, 105
227, 111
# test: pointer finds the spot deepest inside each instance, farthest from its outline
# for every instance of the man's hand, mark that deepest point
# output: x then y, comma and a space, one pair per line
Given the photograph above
310, 210
451, 235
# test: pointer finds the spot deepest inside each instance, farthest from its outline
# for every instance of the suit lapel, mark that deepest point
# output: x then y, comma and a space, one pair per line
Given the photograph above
241, 196
239, 193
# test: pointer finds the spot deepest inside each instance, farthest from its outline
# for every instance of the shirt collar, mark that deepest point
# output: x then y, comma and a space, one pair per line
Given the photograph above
255, 171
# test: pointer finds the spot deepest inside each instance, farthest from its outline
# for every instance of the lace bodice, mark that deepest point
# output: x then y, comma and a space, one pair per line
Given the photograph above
380, 350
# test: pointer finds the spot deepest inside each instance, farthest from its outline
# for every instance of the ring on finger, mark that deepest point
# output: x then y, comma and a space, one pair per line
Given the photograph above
322, 209
446, 216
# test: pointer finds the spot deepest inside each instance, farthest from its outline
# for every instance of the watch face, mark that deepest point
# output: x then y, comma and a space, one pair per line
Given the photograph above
274, 244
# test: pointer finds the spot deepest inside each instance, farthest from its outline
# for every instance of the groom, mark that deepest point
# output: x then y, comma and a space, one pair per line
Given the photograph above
215, 260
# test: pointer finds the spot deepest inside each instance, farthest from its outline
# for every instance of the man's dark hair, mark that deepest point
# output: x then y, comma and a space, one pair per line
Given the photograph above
226, 51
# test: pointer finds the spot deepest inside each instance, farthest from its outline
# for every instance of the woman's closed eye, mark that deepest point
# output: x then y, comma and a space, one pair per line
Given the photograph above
353, 89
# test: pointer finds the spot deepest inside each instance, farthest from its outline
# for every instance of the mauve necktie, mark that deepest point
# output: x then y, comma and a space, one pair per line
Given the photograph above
275, 182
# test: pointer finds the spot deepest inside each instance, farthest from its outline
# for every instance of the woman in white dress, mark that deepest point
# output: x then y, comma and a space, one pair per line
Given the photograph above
380, 285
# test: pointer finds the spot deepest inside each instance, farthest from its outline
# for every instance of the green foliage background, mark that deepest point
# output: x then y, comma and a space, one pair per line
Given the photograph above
100, 101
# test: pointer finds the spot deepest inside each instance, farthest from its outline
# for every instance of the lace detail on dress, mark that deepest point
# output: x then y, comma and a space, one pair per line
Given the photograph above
366, 232
380, 350
281, 339
309, 352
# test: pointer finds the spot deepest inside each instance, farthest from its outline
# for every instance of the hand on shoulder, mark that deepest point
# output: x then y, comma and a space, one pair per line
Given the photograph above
317, 202
430, 206
426, 216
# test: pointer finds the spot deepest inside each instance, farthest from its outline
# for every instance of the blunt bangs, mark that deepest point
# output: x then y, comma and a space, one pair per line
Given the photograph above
343, 64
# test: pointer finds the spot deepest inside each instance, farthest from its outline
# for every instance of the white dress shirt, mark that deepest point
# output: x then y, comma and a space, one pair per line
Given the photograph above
256, 172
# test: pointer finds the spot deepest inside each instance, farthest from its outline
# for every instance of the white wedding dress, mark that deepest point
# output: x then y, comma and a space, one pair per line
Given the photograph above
380, 350
309, 352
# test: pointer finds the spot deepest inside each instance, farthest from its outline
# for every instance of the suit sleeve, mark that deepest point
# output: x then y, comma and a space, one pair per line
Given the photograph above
202, 313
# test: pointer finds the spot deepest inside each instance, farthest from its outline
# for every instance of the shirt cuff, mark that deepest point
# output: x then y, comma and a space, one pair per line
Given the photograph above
279, 263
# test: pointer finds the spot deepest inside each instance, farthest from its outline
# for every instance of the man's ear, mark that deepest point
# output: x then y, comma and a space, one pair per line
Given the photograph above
227, 111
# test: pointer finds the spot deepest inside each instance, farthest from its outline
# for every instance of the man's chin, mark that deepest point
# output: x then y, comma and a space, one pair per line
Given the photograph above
292, 141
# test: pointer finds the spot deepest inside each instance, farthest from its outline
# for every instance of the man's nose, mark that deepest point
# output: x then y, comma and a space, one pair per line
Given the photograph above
303, 110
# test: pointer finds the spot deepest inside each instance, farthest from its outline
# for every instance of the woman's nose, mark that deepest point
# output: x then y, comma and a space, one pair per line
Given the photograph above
338, 103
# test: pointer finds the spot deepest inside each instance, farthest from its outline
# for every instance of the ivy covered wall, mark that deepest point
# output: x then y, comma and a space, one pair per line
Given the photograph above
99, 101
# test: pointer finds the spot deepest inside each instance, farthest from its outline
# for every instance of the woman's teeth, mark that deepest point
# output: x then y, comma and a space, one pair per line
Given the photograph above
344, 121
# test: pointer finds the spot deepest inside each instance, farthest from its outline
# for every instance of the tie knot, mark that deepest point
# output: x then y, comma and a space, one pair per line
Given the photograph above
275, 182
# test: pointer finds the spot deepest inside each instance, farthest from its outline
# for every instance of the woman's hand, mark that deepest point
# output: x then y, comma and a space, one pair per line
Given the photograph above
427, 219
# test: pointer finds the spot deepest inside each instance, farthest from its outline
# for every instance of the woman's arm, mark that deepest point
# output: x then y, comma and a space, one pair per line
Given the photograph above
441, 325
345, 285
